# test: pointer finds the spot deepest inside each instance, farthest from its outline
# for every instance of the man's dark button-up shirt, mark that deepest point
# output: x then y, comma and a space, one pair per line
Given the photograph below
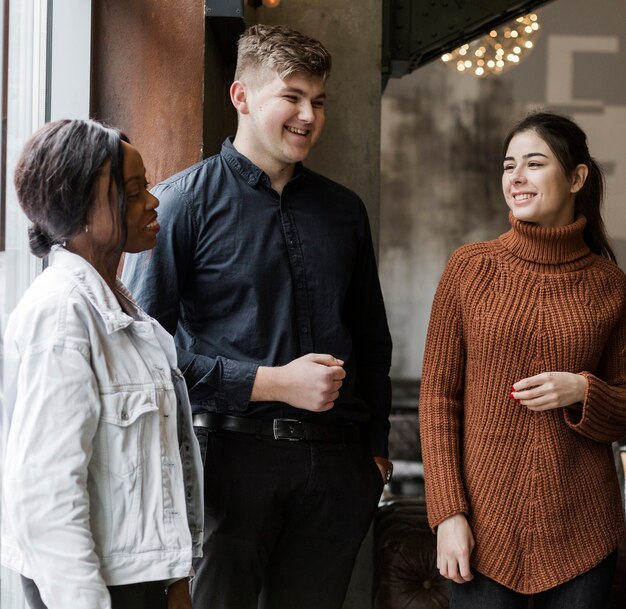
243, 277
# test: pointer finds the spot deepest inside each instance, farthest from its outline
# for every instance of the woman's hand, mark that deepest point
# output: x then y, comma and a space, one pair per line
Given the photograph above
455, 543
550, 390
178, 596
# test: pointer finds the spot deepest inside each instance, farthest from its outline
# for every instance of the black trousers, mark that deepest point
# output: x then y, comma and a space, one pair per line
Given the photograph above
149, 595
283, 521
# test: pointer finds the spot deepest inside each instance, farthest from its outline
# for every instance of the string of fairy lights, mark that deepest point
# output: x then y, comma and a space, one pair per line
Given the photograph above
498, 50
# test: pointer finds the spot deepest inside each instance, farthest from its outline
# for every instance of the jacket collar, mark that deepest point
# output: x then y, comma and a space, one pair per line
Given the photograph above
96, 291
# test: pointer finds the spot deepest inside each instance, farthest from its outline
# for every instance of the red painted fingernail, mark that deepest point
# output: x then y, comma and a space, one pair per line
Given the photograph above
512, 388
511, 396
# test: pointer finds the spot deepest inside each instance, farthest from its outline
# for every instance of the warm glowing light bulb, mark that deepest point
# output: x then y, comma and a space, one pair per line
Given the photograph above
496, 51
271, 3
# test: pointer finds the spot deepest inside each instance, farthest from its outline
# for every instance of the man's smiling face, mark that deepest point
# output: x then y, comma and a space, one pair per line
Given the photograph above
284, 119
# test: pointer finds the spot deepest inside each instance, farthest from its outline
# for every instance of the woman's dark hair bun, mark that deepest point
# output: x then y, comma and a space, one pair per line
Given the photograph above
39, 241
57, 177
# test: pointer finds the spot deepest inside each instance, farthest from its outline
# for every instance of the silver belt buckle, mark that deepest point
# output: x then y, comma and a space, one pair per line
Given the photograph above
288, 429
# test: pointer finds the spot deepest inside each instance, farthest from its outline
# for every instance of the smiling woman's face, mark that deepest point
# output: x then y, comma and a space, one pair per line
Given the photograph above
103, 233
534, 184
141, 215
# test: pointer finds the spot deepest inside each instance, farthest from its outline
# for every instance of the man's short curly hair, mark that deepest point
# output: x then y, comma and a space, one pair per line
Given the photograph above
281, 50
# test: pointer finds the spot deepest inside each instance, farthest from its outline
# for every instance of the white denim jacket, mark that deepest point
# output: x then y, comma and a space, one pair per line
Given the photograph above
102, 471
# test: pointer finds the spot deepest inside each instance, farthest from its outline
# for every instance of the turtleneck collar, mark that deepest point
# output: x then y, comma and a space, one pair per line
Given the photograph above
561, 246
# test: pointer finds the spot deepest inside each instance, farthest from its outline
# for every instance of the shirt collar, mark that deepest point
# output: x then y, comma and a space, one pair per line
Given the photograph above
247, 169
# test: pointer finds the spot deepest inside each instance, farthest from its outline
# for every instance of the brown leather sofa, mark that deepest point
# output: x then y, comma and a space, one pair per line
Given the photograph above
405, 549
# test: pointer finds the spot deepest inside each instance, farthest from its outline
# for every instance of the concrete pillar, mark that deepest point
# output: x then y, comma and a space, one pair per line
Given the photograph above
349, 149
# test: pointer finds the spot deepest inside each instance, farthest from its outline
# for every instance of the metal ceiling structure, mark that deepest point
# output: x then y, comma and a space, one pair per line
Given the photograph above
416, 32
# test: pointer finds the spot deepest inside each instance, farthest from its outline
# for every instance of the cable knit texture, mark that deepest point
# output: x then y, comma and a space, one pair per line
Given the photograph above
539, 488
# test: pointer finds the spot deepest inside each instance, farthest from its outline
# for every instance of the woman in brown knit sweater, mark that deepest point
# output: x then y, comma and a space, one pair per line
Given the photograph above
524, 389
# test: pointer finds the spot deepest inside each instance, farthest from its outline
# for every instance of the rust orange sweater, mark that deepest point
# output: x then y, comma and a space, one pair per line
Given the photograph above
539, 489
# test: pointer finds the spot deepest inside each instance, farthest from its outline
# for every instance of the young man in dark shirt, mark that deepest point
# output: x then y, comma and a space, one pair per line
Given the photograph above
265, 272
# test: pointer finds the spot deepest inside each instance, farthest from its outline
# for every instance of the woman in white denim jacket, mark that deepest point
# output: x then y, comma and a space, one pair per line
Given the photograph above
102, 497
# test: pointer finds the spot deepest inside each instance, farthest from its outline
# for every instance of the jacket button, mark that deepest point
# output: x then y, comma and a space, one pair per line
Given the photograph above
124, 415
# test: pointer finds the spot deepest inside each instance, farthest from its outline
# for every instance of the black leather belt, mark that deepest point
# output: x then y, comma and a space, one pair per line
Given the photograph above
280, 429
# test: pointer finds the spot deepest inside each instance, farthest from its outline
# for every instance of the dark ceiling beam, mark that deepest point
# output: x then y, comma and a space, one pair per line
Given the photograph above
419, 31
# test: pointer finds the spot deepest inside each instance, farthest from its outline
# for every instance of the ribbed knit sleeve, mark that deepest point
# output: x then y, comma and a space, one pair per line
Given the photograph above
441, 400
602, 415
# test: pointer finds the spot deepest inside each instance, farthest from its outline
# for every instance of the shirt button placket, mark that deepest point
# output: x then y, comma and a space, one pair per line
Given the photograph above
297, 273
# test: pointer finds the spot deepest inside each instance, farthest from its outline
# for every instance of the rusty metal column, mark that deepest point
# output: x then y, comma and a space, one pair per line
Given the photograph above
148, 77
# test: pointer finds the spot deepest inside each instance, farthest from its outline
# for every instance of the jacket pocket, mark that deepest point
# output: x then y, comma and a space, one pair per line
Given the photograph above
121, 441
126, 483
